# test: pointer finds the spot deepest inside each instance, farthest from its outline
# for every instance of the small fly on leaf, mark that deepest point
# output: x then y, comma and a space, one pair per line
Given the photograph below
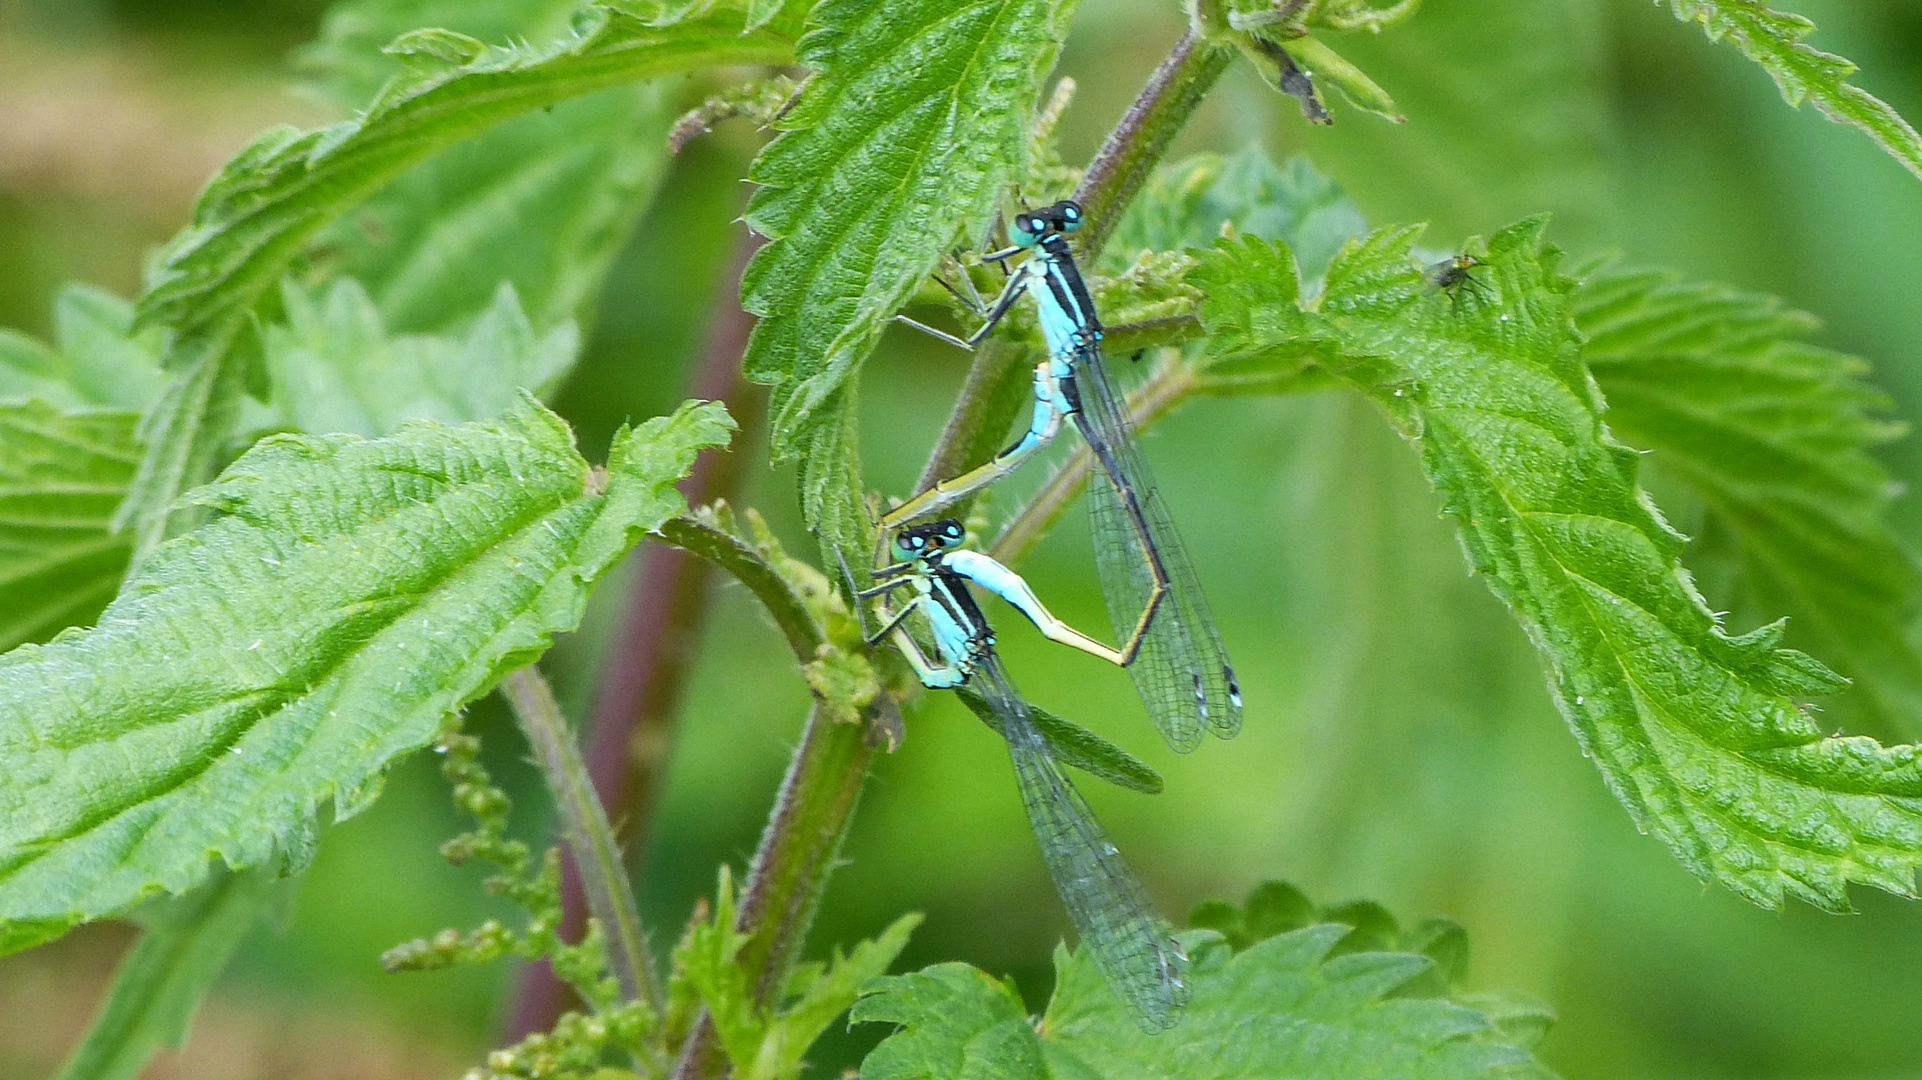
1451, 275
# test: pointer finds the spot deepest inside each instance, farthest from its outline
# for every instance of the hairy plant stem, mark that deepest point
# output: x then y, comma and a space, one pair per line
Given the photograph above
817, 798
1130, 152
796, 623
784, 885
996, 363
641, 680
596, 857
1141, 138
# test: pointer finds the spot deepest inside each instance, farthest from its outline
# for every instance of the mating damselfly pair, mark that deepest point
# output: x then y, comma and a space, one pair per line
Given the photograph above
1165, 636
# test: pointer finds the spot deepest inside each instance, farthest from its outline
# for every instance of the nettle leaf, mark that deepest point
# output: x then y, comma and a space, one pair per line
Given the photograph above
544, 201
68, 452
336, 369
1276, 907
1701, 734
349, 57
1774, 435
1187, 205
61, 475
1283, 1007
1773, 39
816, 994
955, 1021
764, 1043
350, 596
259, 211
286, 184
97, 357
186, 943
1290, 1005
913, 124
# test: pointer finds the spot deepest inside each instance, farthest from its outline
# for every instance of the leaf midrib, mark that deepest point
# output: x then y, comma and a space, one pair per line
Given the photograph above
1650, 709
248, 720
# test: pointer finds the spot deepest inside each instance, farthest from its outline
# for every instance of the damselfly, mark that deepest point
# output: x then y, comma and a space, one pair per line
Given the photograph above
1117, 925
1168, 638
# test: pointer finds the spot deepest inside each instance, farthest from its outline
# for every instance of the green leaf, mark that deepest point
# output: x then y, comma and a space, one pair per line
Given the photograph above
350, 60
1077, 746
1775, 436
1701, 734
185, 944
706, 964
1276, 907
185, 435
1290, 1005
955, 1022
1283, 1007
1773, 39
61, 475
259, 211
336, 369
763, 1043
99, 358
1273, 907
545, 201
286, 184
913, 123
349, 598
817, 995
108, 361
1187, 204
29, 369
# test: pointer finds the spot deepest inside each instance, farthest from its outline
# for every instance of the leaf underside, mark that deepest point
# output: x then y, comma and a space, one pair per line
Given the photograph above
61, 475
350, 596
184, 944
336, 369
1773, 39
259, 212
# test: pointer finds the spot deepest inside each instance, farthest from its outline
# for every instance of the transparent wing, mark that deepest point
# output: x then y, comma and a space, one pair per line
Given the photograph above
1182, 670
1130, 943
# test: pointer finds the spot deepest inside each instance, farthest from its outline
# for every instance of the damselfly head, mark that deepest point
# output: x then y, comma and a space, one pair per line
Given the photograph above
1030, 227
921, 541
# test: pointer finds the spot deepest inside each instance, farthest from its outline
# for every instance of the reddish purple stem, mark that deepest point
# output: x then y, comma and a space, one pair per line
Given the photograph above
642, 679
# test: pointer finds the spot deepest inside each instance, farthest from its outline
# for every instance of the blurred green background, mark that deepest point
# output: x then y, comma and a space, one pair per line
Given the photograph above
1399, 744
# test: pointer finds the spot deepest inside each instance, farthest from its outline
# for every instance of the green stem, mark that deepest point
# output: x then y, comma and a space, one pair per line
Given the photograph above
1150, 334
730, 553
1141, 138
589, 837
824, 780
797, 850
983, 396
1136, 145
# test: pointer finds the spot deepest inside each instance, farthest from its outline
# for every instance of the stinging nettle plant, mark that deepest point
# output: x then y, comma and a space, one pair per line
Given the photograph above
261, 544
